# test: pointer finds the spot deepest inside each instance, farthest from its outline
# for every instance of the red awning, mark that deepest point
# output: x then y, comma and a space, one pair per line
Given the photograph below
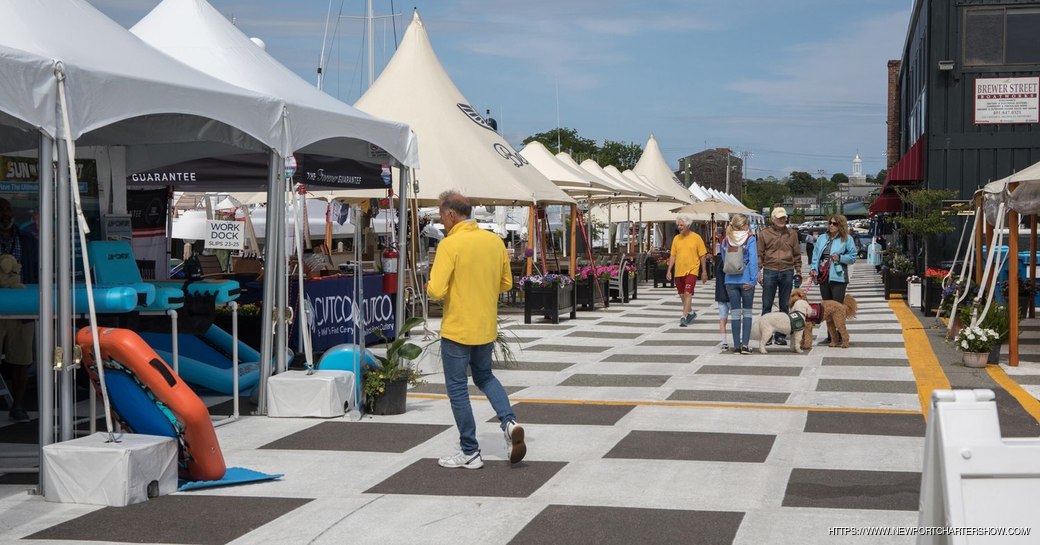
886, 202
910, 167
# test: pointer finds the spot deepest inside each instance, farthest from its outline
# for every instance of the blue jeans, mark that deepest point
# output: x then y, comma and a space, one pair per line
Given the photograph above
457, 358
771, 280
740, 301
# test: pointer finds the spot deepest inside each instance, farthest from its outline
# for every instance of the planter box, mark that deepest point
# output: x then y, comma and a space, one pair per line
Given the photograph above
932, 295
393, 400
250, 328
895, 283
659, 278
623, 289
913, 294
591, 298
550, 302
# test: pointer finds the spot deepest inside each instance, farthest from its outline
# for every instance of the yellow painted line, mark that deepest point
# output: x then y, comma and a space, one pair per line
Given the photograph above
687, 404
1028, 402
928, 373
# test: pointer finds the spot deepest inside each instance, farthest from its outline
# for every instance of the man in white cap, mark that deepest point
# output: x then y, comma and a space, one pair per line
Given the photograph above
780, 256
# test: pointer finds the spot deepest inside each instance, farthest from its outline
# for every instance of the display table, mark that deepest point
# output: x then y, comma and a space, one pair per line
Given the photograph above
297, 394
93, 471
332, 306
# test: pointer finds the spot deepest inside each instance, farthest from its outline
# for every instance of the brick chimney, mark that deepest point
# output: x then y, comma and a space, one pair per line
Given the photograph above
893, 113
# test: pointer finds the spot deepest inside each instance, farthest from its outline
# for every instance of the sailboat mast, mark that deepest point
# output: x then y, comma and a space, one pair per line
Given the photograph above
371, 56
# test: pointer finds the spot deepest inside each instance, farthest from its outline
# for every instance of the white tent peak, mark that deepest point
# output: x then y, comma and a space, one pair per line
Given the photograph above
460, 150
653, 166
195, 33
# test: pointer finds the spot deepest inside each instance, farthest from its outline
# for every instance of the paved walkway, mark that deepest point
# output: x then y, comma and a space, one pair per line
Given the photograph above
638, 432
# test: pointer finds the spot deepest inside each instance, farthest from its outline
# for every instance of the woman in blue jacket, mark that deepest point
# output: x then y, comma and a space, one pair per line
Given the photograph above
837, 250
740, 287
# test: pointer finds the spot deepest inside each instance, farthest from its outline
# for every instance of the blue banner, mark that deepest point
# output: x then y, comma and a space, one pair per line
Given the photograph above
334, 312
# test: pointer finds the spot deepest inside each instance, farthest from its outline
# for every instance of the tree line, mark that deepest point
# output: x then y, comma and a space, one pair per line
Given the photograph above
766, 192
620, 154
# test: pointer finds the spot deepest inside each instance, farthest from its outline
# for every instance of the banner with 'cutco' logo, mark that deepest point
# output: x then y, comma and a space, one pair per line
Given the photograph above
334, 312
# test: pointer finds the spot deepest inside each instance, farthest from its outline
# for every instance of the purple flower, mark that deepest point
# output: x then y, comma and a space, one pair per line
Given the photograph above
528, 252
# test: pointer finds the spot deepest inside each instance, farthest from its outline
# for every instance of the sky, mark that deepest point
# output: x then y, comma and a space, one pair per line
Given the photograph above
800, 84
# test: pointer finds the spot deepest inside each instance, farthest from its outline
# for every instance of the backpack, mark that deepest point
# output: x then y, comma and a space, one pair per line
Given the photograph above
734, 261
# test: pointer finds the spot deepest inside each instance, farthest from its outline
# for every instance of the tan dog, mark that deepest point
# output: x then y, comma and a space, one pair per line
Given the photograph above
836, 314
779, 322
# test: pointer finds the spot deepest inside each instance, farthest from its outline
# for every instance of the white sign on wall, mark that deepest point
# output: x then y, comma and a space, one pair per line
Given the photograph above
1007, 100
225, 235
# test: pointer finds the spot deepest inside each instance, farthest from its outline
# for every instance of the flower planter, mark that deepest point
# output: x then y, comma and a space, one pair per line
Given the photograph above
913, 294
895, 284
659, 278
974, 359
994, 355
933, 291
623, 289
589, 297
393, 400
549, 301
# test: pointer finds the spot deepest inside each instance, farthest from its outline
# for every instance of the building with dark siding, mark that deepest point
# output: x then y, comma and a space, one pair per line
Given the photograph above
708, 169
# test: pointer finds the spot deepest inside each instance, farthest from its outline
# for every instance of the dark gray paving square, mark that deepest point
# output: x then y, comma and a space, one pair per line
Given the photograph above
359, 436
610, 381
589, 525
680, 342
569, 414
186, 518
903, 425
567, 348
729, 396
651, 358
866, 362
645, 315
853, 489
604, 335
693, 445
20, 478
522, 340
633, 323
861, 340
867, 386
539, 327
762, 370
695, 328
439, 388
533, 366
1026, 379
498, 478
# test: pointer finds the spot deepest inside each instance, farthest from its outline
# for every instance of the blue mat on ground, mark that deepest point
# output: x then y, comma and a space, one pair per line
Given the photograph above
234, 475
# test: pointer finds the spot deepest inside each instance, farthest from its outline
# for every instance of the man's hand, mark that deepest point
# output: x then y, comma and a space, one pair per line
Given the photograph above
748, 287
704, 278
668, 275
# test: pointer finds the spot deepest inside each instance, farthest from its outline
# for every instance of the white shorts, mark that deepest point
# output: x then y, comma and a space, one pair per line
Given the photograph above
723, 310
16, 341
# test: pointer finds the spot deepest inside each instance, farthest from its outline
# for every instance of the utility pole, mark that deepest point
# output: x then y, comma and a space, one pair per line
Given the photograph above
819, 202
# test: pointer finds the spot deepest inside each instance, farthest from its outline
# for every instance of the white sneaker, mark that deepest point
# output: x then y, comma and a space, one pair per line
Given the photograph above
463, 460
515, 445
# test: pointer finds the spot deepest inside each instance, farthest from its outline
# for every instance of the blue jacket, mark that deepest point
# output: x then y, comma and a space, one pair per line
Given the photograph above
750, 274
846, 251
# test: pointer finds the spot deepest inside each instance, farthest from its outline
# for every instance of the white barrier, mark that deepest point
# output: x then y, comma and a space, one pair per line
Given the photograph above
976, 483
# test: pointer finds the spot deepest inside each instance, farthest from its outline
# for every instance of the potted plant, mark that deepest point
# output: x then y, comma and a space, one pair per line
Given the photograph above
661, 273
623, 282
924, 218
1026, 293
976, 343
895, 279
386, 386
913, 290
593, 286
933, 288
550, 295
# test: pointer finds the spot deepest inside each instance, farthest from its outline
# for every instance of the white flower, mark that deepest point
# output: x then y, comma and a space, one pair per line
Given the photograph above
964, 344
971, 336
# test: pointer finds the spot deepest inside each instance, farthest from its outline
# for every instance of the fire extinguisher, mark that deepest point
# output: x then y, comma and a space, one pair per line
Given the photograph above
390, 270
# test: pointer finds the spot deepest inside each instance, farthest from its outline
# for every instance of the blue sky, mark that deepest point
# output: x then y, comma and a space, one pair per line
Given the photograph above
801, 84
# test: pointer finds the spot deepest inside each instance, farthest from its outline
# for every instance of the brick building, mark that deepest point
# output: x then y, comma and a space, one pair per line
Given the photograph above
708, 169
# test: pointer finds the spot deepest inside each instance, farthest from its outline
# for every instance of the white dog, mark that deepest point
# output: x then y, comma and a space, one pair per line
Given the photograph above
779, 322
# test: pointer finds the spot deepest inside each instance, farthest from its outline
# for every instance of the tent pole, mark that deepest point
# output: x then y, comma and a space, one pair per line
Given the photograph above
1032, 263
989, 235
63, 277
1013, 281
402, 236
574, 241
610, 230
980, 220
530, 238
270, 276
45, 324
282, 277
628, 216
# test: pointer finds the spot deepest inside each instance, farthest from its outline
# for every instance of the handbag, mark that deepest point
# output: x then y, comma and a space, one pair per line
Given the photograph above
824, 269
734, 262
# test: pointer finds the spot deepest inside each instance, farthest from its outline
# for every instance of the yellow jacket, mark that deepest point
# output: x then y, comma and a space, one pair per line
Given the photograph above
470, 270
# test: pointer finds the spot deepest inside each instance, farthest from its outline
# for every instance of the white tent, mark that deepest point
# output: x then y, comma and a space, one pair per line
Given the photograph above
648, 192
195, 33
574, 181
604, 181
120, 90
460, 150
653, 166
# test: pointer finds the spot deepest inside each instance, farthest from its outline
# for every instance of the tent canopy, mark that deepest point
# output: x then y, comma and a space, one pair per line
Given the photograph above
460, 150
120, 90
652, 165
574, 181
195, 33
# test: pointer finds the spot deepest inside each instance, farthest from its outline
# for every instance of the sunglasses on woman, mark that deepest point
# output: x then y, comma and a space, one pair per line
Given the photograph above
833, 223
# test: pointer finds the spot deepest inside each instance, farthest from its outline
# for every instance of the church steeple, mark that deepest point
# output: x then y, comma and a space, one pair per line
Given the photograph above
857, 177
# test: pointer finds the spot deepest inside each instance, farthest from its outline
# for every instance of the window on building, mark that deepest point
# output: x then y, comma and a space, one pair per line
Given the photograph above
1001, 36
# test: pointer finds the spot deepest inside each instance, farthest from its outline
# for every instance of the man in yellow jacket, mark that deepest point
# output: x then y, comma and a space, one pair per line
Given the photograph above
469, 272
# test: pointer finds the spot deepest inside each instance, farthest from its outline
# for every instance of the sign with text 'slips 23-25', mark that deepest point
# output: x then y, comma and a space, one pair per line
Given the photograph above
225, 235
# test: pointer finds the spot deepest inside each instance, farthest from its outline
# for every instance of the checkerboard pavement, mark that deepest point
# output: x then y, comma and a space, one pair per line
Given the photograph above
637, 431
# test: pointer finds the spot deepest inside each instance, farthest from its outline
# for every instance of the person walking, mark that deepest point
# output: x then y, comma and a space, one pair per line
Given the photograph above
470, 271
740, 265
835, 251
687, 258
810, 242
722, 300
780, 256
17, 336
875, 252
